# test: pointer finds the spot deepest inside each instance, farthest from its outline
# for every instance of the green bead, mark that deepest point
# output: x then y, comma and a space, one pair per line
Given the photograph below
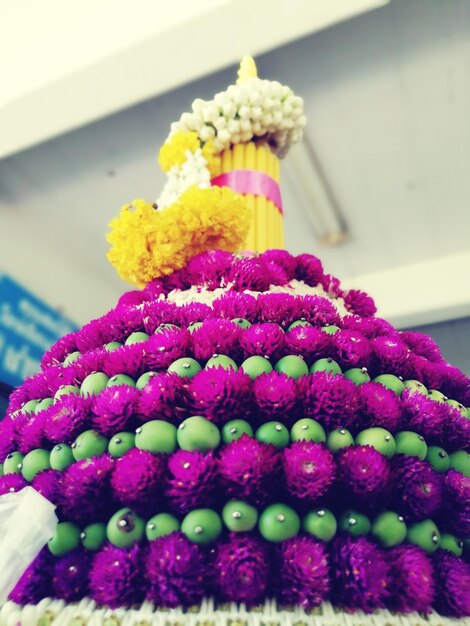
121, 379
34, 462
390, 382
72, 357
137, 337
163, 327
93, 536
307, 429
358, 375
292, 365
389, 529
65, 539
223, 361
121, 443
278, 522
160, 525
451, 544
93, 384
414, 386
61, 457
379, 438
89, 444
424, 534
125, 528
273, 433
242, 322
202, 526
156, 436
185, 367
299, 323
112, 346
194, 326
254, 366
234, 429
339, 438
437, 396
43, 404
460, 461
438, 458
13, 463
239, 516
143, 380
2, 473
325, 365
67, 390
411, 444
29, 407
460, 407
198, 433
330, 329
321, 524
355, 523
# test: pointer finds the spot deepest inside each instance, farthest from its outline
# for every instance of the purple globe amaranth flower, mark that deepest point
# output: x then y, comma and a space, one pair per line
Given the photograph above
132, 299
390, 354
249, 274
92, 335
246, 469
456, 435
154, 289
332, 400
163, 397
359, 303
216, 336
210, 268
309, 269
275, 396
241, 569
456, 511
309, 470
123, 321
67, 418
412, 586
57, 352
166, 346
423, 415
455, 384
332, 286
130, 360
282, 259
194, 312
452, 576
85, 489
159, 312
219, 394
422, 345
30, 434
48, 484
360, 574
45, 384
263, 340
176, 570
114, 409
233, 304
379, 406
10, 483
70, 576
426, 371
363, 475
419, 489
304, 577
351, 349
178, 280
318, 310
35, 583
308, 342
370, 327
137, 479
191, 481
88, 362
7, 437
278, 308
117, 576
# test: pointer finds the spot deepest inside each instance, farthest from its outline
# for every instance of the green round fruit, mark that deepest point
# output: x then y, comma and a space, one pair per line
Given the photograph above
29, 407
112, 346
278, 522
239, 516
437, 396
242, 322
61, 457
121, 443
254, 366
460, 461
391, 382
163, 327
65, 539
297, 323
321, 524
358, 375
137, 337
143, 380
121, 379
72, 357
156, 436
93, 384
460, 407
125, 528
273, 433
292, 365
325, 365
194, 326
223, 361
2, 473
13, 463
379, 438
451, 544
438, 458
355, 523
414, 386
330, 329
43, 404
339, 438
198, 433
34, 462
307, 429
160, 525
389, 529
424, 534
67, 390
93, 536
202, 526
411, 444
89, 444
234, 429
186, 367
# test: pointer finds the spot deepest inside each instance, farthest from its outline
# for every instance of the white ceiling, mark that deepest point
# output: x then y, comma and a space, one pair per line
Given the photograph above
387, 102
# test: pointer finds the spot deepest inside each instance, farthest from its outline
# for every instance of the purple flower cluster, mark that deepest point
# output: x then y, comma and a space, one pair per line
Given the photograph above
191, 482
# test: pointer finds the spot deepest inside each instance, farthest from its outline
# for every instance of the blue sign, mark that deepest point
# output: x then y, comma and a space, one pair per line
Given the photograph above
28, 327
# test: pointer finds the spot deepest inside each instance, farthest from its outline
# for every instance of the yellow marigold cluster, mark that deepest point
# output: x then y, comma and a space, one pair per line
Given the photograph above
147, 243
173, 152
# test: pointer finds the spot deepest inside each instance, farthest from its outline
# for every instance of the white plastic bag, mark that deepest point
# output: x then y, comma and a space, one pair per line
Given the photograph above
27, 522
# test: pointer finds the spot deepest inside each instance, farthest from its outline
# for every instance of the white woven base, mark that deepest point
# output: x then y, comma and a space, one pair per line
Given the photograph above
86, 613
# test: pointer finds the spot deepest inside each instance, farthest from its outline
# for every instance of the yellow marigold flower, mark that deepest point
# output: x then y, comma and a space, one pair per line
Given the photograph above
213, 159
173, 151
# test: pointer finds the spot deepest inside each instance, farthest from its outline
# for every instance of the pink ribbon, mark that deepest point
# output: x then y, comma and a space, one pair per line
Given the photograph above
251, 182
